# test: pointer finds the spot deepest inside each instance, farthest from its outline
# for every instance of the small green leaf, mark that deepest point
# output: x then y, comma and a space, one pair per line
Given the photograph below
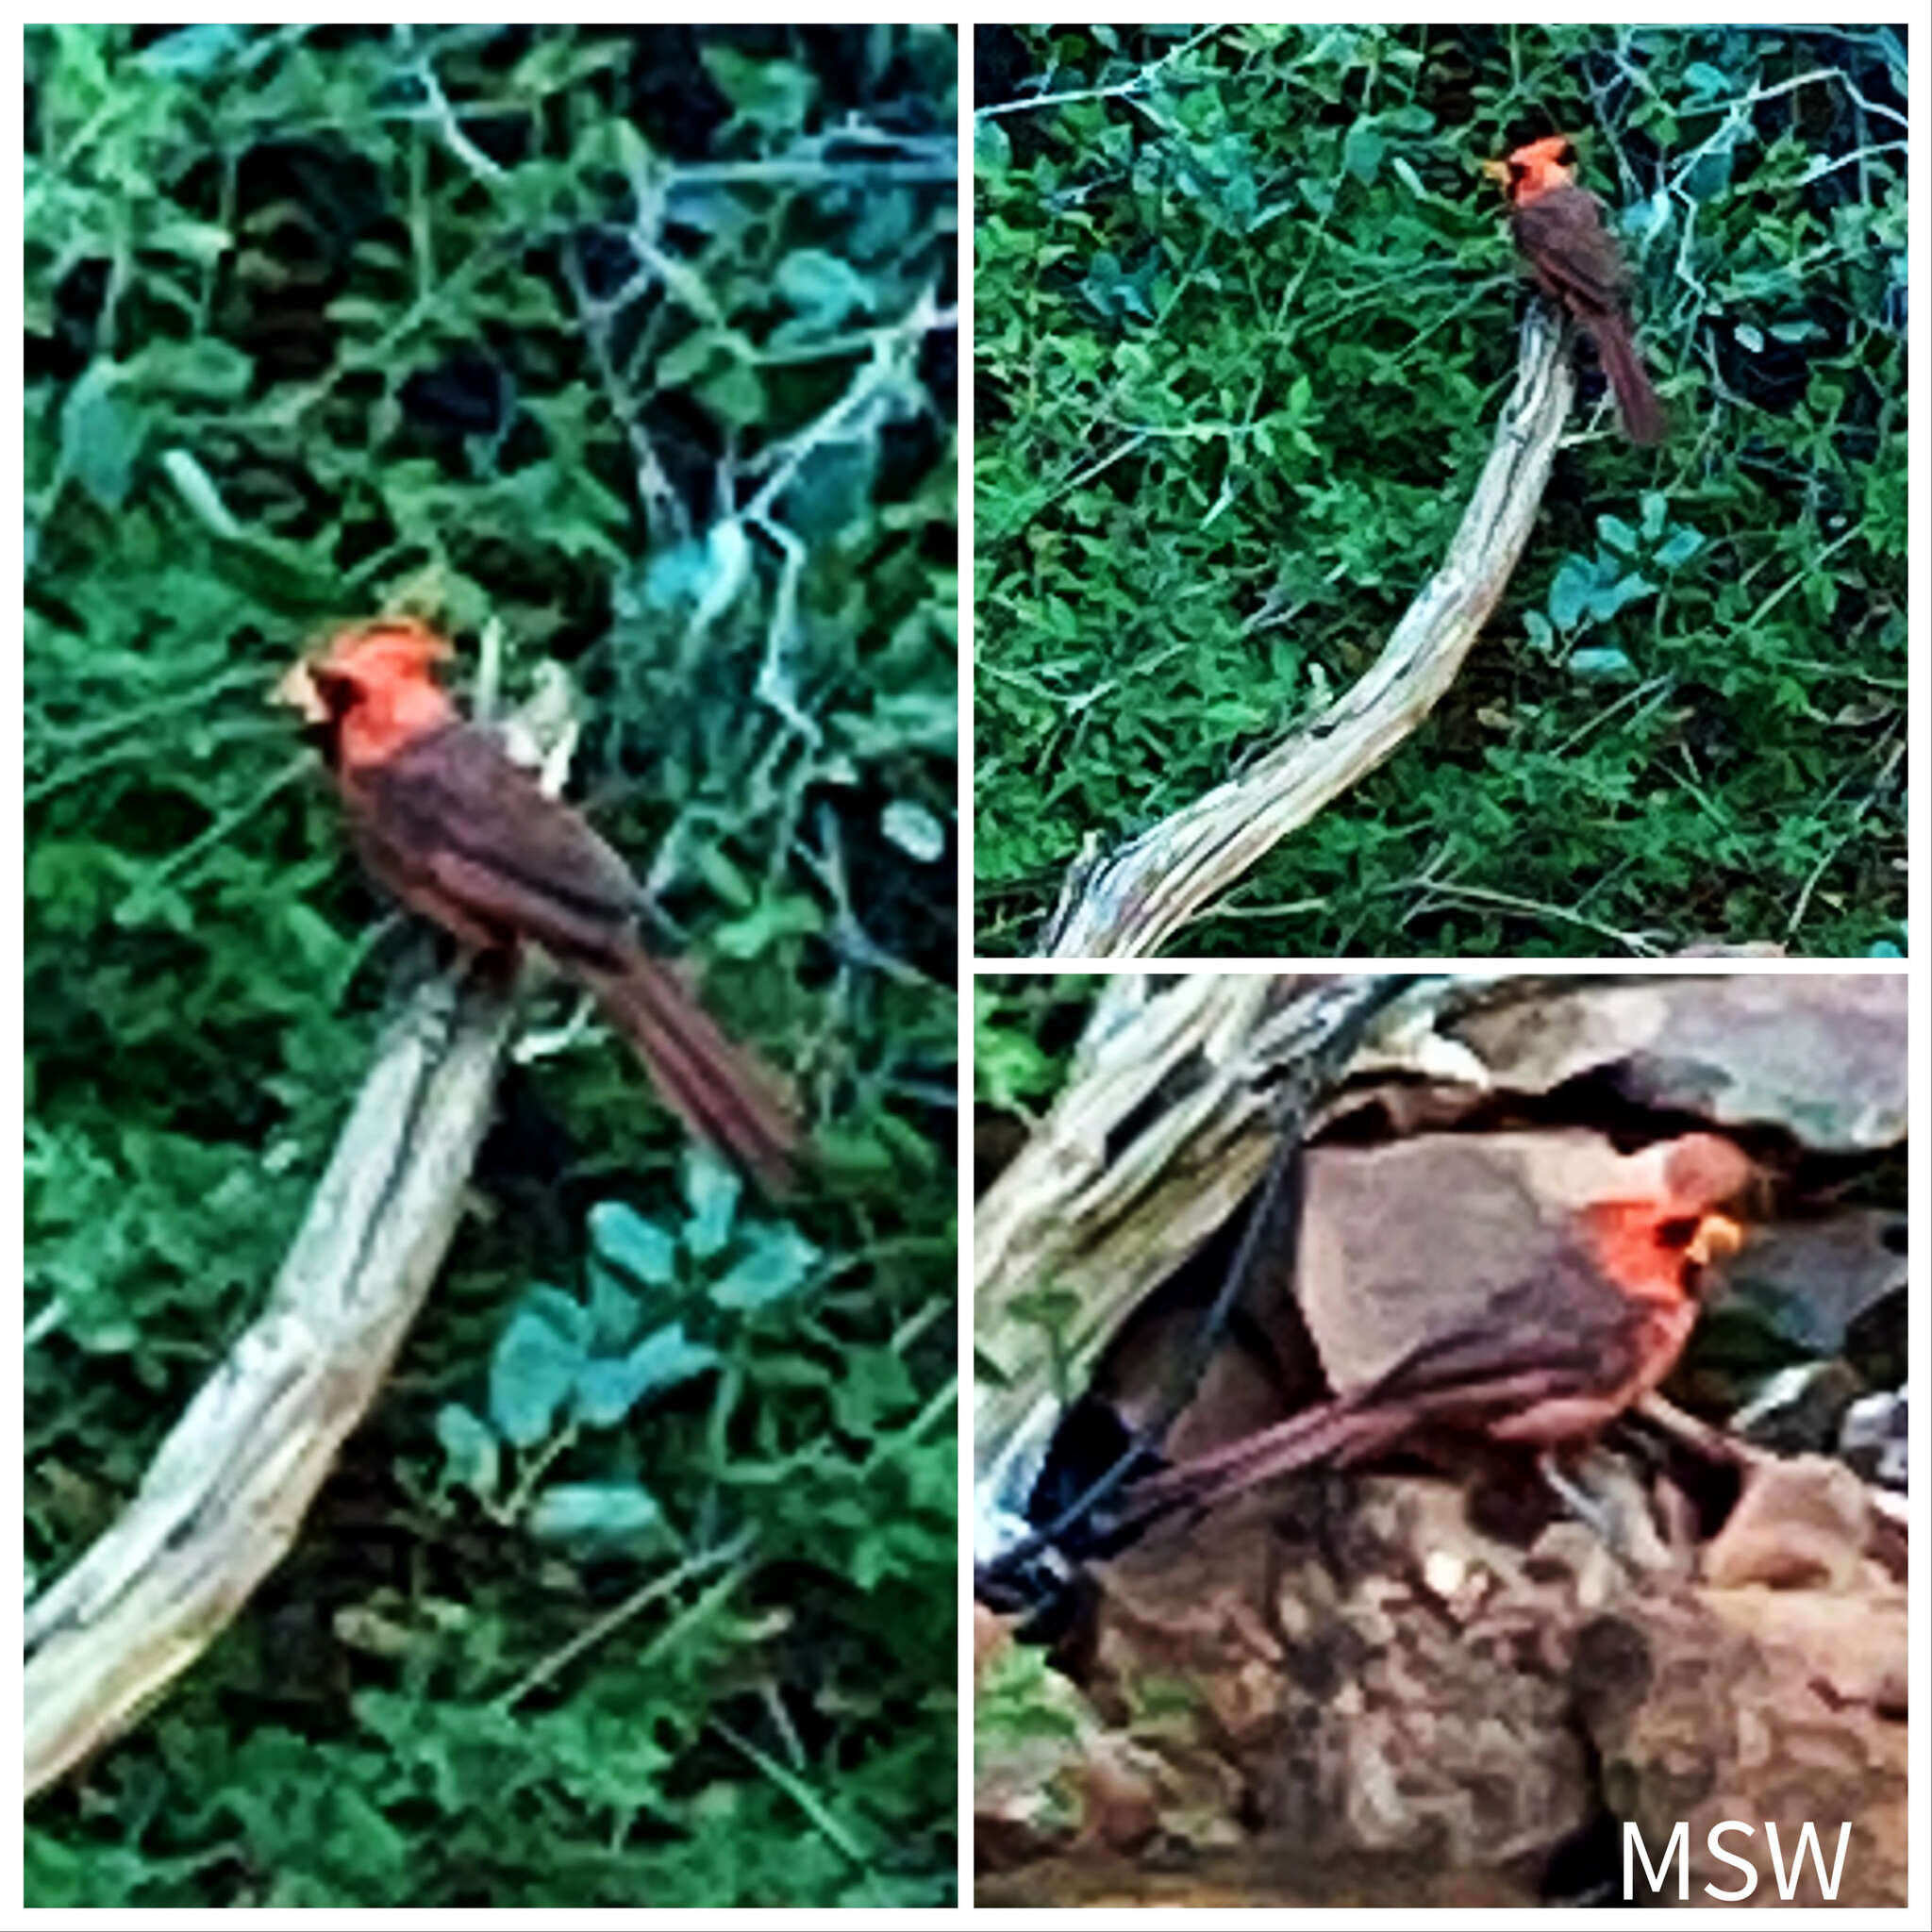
668, 1357
616, 1314
204, 243
608, 1390
192, 53
1363, 148
205, 370
774, 919
1601, 664
736, 396
712, 1191
823, 287
774, 95
197, 490
677, 575
780, 1260
101, 433
564, 1312
914, 830
725, 878
835, 487
531, 1375
594, 1512
1710, 173
470, 1450
1680, 547
638, 1248
1571, 593
1609, 598
698, 351
1615, 534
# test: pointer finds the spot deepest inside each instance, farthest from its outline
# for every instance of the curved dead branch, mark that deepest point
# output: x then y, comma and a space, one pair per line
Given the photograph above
1130, 904
1182, 1087
227, 1493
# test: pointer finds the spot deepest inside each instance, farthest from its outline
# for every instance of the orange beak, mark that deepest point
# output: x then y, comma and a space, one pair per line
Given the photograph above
1717, 1239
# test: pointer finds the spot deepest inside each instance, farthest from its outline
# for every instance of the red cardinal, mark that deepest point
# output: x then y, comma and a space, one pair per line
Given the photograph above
1559, 228
1588, 1309
449, 824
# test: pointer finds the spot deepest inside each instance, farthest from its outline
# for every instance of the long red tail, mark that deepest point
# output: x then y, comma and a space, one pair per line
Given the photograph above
1351, 1429
719, 1089
1637, 403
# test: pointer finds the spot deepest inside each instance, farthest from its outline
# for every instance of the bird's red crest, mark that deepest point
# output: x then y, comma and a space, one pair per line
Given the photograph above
389, 647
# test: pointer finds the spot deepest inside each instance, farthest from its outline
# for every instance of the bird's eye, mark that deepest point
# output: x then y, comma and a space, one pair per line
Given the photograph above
1679, 1231
337, 693
1566, 154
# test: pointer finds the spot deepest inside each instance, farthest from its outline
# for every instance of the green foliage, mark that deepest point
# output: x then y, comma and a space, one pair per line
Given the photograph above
1023, 1031
635, 343
1021, 1701
1244, 312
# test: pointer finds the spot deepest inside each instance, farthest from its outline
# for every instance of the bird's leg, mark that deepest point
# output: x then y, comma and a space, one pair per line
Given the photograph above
1580, 1502
555, 1039
1614, 1505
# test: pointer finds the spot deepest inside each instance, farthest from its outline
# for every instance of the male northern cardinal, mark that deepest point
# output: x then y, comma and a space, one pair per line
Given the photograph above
449, 824
1530, 1294
1559, 228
